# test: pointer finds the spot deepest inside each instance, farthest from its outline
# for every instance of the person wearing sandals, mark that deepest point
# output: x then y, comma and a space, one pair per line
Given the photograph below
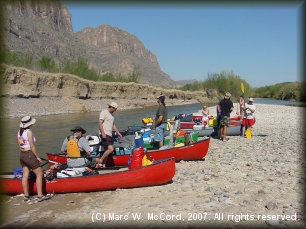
106, 126
29, 159
227, 107
77, 149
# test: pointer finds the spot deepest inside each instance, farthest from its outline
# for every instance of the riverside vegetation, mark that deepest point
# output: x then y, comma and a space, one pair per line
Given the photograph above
228, 81
221, 82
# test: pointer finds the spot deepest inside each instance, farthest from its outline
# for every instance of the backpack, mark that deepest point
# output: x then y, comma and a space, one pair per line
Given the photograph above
18, 174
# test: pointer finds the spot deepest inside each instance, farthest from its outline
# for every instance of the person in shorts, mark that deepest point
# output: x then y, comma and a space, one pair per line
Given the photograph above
248, 119
226, 109
29, 159
106, 126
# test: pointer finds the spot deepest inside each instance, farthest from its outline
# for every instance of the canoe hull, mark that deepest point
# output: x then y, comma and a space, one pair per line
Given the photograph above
156, 174
195, 151
180, 139
212, 131
189, 125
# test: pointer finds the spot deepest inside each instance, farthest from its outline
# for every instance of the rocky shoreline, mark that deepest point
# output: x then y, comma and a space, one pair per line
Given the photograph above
19, 107
250, 182
13, 107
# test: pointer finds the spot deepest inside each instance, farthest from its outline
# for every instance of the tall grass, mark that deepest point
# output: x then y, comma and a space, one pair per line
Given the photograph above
225, 81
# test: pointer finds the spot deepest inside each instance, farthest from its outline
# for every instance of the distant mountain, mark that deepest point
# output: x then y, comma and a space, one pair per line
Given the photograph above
184, 82
44, 28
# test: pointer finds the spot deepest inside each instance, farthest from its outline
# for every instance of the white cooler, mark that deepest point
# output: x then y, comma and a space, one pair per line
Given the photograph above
198, 127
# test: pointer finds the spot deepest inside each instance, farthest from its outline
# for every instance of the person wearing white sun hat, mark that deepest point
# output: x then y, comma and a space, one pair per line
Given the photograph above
29, 159
248, 119
106, 126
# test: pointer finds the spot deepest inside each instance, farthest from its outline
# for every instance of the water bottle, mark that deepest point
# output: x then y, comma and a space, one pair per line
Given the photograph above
138, 141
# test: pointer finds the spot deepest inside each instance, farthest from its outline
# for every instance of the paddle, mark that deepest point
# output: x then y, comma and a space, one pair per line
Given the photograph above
47, 161
242, 87
248, 133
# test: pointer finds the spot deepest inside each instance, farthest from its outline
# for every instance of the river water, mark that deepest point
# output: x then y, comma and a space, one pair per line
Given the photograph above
51, 130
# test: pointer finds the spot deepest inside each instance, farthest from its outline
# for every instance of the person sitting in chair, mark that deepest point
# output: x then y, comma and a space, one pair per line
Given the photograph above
77, 149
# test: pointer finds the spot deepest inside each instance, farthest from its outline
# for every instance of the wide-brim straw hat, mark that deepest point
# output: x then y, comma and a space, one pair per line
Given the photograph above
27, 121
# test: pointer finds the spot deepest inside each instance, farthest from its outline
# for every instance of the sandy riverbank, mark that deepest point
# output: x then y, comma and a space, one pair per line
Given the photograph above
243, 178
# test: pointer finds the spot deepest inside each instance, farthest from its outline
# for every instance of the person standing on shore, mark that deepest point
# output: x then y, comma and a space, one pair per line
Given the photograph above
106, 127
219, 119
29, 159
241, 106
248, 119
161, 118
227, 108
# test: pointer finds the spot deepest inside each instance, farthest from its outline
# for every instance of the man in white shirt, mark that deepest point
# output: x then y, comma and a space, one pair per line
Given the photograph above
106, 126
248, 119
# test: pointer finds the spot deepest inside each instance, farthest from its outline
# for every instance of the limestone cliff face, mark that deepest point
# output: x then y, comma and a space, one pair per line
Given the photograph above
115, 40
52, 13
20, 82
43, 28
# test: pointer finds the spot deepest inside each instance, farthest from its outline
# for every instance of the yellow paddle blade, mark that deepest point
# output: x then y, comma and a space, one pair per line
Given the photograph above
248, 133
242, 87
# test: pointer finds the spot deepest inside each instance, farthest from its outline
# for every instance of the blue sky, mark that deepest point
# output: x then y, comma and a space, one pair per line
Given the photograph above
258, 42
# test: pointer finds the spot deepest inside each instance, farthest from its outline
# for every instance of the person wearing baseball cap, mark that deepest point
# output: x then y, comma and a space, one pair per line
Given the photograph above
226, 108
106, 126
248, 119
161, 118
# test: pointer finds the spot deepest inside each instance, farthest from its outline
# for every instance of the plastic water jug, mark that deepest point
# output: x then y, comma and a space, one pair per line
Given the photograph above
138, 141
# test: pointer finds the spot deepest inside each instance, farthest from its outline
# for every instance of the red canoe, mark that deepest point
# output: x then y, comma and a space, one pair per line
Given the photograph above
196, 117
158, 173
195, 151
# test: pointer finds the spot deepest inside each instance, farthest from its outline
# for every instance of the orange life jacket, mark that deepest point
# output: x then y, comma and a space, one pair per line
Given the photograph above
72, 147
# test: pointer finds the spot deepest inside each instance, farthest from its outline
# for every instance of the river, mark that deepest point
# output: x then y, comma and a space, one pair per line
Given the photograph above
51, 130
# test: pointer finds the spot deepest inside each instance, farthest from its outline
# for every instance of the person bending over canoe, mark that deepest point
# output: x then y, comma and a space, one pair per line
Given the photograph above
106, 126
161, 118
77, 149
